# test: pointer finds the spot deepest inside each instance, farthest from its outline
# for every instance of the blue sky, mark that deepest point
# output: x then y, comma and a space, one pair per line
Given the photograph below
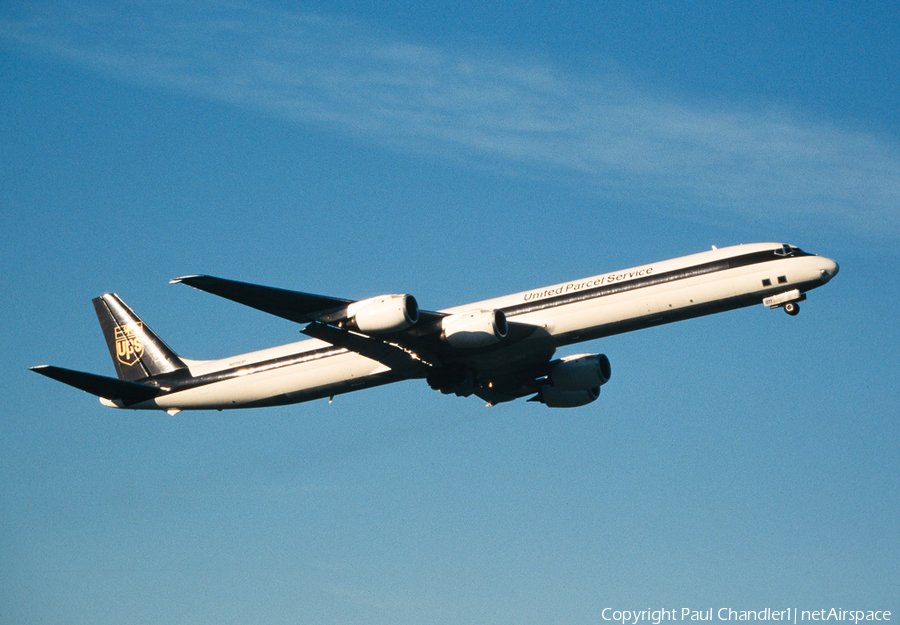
456, 151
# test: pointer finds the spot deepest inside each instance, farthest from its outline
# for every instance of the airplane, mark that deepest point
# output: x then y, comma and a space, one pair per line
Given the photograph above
498, 350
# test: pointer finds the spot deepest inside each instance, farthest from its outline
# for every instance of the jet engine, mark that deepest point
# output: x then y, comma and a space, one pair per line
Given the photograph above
580, 372
477, 328
575, 381
385, 313
555, 398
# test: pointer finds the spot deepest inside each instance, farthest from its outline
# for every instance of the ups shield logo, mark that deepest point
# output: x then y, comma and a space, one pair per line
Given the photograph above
129, 346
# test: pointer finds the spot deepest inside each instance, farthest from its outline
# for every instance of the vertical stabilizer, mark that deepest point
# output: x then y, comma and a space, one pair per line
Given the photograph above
137, 352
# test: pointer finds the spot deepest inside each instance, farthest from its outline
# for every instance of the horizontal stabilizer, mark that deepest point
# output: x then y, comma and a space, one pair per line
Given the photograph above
101, 386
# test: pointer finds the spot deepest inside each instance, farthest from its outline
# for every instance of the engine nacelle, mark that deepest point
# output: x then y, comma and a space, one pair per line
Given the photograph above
385, 313
553, 397
477, 328
580, 372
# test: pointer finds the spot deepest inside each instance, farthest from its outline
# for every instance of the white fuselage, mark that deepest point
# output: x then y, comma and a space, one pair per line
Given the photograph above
566, 313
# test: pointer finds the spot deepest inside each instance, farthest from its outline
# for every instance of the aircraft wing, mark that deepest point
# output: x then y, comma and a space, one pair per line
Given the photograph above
415, 352
292, 305
389, 354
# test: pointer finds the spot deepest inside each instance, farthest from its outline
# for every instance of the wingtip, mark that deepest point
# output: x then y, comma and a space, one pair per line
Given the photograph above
181, 279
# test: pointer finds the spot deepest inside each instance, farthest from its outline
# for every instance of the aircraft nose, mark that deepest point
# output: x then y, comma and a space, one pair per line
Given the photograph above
829, 269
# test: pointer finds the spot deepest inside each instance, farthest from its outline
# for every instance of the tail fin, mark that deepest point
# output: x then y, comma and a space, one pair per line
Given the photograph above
137, 352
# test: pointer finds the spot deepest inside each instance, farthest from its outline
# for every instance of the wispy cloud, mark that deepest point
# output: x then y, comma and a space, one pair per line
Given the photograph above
486, 108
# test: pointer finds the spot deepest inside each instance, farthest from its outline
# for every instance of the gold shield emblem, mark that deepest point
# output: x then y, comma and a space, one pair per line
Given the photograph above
129, 346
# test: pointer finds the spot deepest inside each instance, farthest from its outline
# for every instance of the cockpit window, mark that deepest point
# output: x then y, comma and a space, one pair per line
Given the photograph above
785, 250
